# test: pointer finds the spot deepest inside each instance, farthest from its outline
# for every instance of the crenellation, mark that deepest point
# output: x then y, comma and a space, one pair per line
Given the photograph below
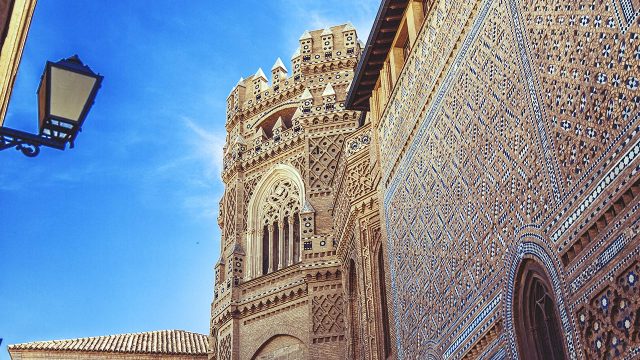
305, 61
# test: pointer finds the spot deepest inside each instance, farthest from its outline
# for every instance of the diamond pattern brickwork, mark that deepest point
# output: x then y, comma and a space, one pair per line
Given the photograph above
328, 317
324, 154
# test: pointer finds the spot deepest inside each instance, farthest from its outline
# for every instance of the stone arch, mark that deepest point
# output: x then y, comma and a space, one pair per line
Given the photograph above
273, 221
532, 249
267, 121
281, 346
537, 324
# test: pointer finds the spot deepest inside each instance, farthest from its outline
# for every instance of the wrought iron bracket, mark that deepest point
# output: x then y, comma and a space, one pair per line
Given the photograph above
29, 144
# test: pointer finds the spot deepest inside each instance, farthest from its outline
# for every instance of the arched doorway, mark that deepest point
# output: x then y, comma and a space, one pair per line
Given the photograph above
537, 324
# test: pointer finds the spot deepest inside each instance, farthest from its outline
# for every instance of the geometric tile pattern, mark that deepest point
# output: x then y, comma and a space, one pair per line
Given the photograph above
588, 78
229, 221
503, 113
627, 12
609, 323
473, 179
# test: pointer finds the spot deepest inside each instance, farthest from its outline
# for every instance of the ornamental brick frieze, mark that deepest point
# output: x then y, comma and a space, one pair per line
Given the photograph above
327, 121
293, 156
313, 68
618, 210
270, 101
267, 149
283, 298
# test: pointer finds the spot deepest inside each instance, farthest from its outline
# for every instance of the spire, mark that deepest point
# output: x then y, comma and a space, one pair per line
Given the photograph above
326, 32
306, 95
238, 139
296, 54
237, 249
260, 135
328, 91
279, 125
297, 114
240, 83
348, 27
260, 74
307, 208
306, 35
279, 65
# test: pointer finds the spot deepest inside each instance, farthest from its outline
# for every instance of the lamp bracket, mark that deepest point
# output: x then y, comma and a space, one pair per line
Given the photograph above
29, 144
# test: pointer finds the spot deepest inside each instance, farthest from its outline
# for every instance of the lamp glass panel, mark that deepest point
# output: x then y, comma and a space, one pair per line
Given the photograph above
70, 92
42, 100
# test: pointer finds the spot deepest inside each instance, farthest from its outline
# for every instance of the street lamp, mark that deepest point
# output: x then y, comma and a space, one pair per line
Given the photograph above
65, 95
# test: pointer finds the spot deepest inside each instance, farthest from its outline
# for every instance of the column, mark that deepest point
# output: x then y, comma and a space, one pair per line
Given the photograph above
296, 228
249, 259
281, 245
291, 241
270, 260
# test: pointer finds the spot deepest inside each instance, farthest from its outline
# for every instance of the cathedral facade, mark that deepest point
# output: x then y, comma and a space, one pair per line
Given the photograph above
467, 190
507, 138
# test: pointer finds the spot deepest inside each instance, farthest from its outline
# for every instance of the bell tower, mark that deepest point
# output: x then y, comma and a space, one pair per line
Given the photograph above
278, 284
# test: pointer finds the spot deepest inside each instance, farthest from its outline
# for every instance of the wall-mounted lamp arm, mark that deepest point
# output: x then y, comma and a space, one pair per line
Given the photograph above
29, 144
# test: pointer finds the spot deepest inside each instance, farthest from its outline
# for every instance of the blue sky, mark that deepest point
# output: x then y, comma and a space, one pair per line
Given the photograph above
119, 234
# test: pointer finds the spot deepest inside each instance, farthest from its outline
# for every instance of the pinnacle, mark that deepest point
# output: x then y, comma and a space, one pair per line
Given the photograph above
296, 54
307, 208
328, 91
260, 134
348, 27
260, 74
306, 35
306, 94
237, 249
326, 32
279, 65
279, 124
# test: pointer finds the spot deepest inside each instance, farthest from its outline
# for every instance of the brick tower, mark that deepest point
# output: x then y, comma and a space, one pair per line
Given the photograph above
278, 290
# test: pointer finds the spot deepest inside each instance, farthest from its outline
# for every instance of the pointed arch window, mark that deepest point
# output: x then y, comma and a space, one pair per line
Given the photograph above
274, 222
538, 329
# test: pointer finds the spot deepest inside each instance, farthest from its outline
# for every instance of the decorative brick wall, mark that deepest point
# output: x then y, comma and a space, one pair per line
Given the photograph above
511, 133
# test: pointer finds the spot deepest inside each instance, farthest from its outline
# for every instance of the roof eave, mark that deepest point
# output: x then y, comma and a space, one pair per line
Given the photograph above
358, 97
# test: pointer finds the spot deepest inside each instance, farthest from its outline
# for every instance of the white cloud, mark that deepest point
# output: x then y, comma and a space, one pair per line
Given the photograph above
313, 15
208, 147
200, 167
